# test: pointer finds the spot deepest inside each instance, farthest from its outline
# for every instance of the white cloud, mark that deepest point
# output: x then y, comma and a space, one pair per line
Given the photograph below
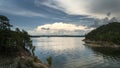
68, 6
71, 7
61, 28
95, 8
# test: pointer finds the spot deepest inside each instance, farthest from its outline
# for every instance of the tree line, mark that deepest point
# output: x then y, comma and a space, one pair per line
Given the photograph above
12, 40
106, 33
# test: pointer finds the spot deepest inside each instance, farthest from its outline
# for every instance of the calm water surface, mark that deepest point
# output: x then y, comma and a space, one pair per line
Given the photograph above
70, 52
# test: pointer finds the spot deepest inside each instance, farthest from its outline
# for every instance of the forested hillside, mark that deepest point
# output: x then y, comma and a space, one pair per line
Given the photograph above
107, 33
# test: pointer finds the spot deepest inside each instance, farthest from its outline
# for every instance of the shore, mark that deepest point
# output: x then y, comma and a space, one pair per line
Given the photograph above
100, 44
23, 59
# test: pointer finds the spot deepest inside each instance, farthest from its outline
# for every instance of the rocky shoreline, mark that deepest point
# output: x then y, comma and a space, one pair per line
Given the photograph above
100, 44
21, 59
26, 60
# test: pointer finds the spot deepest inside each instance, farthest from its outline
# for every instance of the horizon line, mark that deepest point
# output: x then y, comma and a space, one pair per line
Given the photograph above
57, 35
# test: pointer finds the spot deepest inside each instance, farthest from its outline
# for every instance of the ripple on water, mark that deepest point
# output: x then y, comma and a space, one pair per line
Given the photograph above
71, 53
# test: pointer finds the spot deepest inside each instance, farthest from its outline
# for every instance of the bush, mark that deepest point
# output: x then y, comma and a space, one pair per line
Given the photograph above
49, 60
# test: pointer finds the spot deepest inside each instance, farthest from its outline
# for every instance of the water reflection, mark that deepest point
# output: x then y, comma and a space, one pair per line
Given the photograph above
57, 44
71, 53
110, 54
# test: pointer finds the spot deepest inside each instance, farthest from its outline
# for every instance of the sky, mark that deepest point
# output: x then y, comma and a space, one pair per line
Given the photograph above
66, 17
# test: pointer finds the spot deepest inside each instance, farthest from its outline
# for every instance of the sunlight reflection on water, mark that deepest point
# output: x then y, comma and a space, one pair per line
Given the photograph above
70, 52
58, 44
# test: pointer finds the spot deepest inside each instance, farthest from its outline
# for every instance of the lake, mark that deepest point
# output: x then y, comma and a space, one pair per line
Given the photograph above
70, 52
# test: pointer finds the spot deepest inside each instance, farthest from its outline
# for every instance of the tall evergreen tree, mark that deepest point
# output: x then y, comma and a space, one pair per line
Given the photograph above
4, 23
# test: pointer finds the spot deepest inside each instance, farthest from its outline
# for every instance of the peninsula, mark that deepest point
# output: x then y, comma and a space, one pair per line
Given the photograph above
105, 36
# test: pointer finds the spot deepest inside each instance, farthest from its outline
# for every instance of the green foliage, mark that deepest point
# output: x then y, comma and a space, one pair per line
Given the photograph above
33, 49
4, 23
49, 60
11, 41
107, 33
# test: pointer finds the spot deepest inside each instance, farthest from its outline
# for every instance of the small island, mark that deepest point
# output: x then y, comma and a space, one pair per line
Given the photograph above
104, 36
16, 49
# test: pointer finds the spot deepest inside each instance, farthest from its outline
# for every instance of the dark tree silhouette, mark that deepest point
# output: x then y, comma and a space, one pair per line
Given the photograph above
13, 41
4, 23
106, 33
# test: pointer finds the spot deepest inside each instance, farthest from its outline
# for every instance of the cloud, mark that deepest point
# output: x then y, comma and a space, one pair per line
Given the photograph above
102, 7
106, 20
61, 28
26, 13
68, 6
97, 8
15, 10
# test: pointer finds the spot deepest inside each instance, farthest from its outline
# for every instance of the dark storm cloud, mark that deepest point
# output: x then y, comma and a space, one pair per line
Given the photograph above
105, 6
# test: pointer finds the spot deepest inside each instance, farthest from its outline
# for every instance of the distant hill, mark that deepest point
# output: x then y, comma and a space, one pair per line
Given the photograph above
56, 36
106, 33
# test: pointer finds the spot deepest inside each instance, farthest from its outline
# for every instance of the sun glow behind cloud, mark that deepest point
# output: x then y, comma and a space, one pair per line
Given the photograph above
60, 28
